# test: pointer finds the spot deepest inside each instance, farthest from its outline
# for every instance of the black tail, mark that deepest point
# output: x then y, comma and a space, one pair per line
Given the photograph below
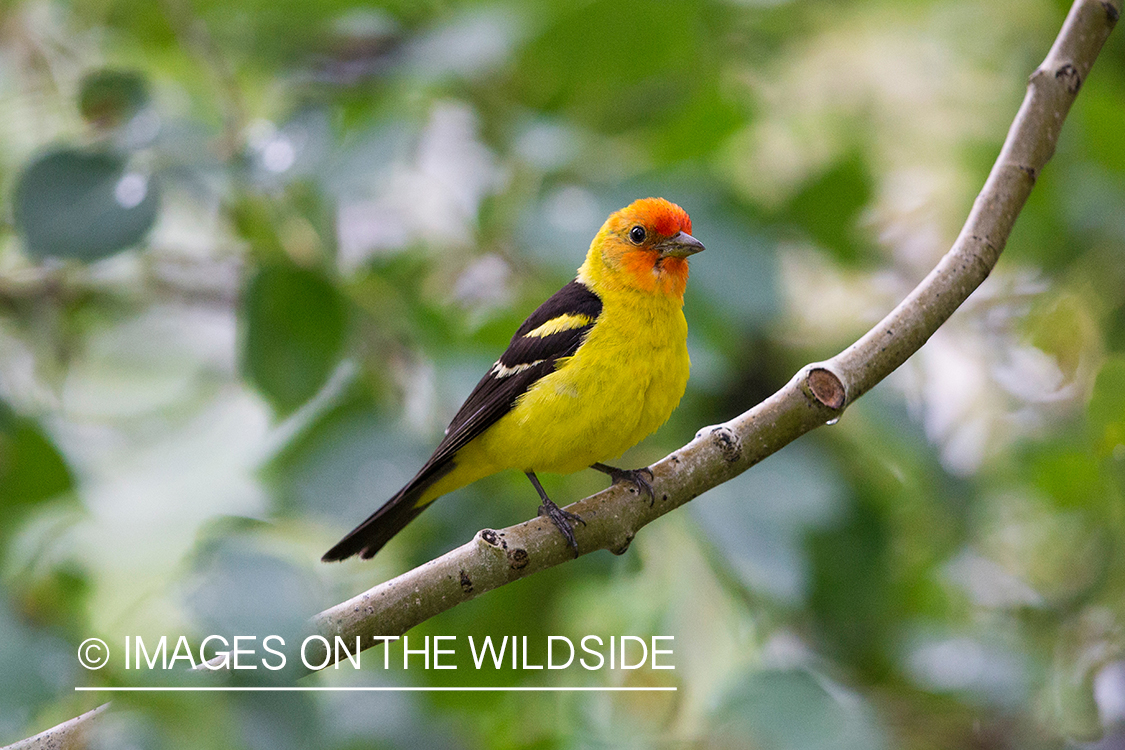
370, 536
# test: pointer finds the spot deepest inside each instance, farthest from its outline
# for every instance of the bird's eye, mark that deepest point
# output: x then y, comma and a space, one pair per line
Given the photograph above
637, 234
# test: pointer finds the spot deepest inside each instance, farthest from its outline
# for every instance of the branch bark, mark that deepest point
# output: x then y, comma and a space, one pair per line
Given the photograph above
70, 735
815, 396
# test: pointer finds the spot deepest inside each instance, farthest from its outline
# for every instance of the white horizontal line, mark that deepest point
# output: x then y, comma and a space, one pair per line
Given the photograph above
375, 689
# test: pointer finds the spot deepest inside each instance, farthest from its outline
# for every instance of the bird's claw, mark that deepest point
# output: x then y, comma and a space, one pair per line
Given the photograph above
562, 519
635, 477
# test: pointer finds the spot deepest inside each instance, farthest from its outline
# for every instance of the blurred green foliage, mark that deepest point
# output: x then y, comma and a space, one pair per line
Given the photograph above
295, 324
81, 204
31, 468
254, 254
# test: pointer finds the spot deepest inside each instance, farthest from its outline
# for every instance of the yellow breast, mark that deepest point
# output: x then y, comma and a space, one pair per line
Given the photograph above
622, 383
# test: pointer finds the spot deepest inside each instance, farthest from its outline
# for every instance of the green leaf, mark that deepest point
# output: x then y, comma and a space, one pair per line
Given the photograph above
698, 127
1103, 107
110, 98
82, 204
650, 59
829, 208
31, 468
295, 322
851, 593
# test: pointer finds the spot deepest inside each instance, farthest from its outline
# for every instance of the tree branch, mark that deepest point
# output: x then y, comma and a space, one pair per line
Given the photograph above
816, 395
70, 735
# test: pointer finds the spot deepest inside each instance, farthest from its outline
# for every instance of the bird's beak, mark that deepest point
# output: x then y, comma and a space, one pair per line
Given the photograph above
680, 246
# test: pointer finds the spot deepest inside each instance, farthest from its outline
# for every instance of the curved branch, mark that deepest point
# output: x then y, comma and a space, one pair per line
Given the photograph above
815, 396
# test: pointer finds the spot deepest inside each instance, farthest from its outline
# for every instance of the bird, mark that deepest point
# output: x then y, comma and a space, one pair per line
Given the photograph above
592, 371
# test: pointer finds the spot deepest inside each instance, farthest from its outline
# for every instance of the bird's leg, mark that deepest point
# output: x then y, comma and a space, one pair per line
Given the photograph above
635, 477
561, 518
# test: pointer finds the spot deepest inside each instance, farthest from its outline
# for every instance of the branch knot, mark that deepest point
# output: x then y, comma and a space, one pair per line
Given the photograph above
490, 537
518, 558
727, 442
1070, 77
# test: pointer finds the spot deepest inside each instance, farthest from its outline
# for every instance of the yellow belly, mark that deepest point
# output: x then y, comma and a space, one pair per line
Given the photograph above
621, 384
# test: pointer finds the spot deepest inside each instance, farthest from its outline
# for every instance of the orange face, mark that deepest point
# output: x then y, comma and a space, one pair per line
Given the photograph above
648, 243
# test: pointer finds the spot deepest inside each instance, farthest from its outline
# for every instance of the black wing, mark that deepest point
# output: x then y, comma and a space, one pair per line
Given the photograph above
527, 358
554, 331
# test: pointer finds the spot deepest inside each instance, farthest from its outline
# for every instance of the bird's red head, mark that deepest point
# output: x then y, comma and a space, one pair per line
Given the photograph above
661, 216
644, 246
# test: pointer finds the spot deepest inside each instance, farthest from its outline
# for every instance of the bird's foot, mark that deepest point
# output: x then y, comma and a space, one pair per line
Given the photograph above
564, 520
641, 479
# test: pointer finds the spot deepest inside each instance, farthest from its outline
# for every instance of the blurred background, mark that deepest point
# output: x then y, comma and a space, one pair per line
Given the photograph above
254, 254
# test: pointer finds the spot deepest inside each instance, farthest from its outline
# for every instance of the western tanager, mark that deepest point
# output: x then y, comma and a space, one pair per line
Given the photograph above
600, 365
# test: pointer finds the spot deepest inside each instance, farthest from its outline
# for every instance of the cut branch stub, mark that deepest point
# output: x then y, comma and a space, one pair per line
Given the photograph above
826, 387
